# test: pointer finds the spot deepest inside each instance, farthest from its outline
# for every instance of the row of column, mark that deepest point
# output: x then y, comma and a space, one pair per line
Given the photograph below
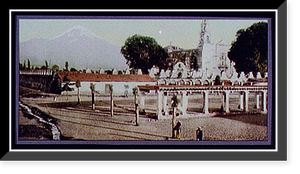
163, 106
244, 101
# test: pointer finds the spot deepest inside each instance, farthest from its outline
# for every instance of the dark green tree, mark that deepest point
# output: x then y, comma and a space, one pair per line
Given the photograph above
73, 69
142, 52
55, 67
67, 66
194, 62
217, 80
28, 64
24, 65
250, 49
46, 64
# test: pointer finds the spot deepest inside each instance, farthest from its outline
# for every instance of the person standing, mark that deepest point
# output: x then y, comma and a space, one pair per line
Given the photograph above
178, 129
199, 134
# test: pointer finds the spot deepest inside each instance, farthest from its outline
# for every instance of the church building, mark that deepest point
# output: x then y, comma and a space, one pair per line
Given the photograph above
208, 57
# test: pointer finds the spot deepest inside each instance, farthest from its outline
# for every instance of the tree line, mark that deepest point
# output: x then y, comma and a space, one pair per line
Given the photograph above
28, 66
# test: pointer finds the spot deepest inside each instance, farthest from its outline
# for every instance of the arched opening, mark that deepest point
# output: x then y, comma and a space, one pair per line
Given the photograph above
179, 75
198, 82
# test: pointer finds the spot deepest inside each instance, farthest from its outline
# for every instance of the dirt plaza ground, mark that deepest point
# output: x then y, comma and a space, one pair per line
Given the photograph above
80, 122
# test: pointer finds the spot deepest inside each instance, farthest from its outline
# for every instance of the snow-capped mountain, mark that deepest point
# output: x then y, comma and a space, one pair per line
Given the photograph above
79, 46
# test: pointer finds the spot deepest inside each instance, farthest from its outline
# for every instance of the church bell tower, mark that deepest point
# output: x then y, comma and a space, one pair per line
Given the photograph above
204, 39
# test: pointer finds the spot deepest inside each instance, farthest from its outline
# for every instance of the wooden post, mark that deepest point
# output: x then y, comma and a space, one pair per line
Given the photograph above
78, 85
78, 96
136, 106
174, 106
93, 100
173, 121
111, 100
92, 87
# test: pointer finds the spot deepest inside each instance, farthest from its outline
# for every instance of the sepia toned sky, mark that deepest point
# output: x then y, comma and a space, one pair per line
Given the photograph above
182, 33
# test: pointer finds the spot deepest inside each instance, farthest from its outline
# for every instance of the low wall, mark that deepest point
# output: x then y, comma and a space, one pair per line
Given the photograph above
40, 82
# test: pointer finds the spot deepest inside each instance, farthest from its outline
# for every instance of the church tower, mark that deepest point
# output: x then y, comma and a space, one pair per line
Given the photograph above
204, 35
204, 39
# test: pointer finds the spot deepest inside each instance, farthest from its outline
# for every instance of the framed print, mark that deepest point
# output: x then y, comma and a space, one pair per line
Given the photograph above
147, 82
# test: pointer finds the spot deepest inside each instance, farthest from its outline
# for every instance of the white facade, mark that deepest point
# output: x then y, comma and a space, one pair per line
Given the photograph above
119, 88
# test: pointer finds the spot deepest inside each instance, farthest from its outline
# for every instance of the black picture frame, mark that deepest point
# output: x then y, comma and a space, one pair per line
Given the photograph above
148, 149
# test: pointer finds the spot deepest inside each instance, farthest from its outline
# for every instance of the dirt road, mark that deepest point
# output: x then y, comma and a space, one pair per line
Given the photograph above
80, 122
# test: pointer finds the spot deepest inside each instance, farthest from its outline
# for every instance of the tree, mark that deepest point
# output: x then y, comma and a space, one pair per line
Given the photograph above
217, 80
21, 67
73, 69
28, 64
67, 66
142, 52
46, 64
55, 67
194, 61
24, 65
250, 49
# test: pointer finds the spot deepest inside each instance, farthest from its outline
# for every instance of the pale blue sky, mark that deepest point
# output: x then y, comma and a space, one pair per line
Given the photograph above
182, 33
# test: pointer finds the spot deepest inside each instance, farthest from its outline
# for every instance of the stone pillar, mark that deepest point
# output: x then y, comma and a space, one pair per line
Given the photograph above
205, 102
246, 93
257, 106
226, 93
241, 101
264, 101
159, 104
223, 101
184, 102
165, 103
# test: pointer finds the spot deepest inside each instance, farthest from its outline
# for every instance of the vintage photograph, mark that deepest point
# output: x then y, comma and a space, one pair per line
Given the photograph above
144, 79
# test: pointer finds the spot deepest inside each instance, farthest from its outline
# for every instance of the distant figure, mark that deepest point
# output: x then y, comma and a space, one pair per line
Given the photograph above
126, 93
178, 130
199, 134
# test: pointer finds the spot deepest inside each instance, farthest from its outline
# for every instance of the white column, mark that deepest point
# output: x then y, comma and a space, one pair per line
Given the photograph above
184, 102
264, 101
205, 102
159, 104
165, 101
241, 101
246, 109
227, 101
257, 106
223, 101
